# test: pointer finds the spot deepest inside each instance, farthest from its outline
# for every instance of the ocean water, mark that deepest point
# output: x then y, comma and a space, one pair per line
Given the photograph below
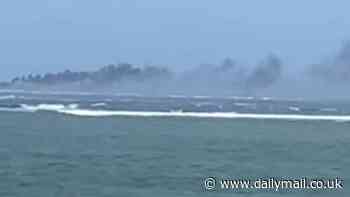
112, 145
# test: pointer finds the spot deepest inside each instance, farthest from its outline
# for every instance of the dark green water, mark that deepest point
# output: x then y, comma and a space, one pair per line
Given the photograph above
47, 154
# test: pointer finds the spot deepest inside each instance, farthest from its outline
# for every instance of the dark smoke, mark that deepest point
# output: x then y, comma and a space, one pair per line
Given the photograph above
266, 73
335, 70
268, 78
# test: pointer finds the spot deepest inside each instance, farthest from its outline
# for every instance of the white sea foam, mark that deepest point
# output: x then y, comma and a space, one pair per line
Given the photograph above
41, 107
207, 104
241, 97
233, 115
245, 104
74, 110
266, 98
6, 97
177, 96
49, 107
201, 104
202, 97
329, 109
73, 106
192, 97
15, 110
292, 108
98, 104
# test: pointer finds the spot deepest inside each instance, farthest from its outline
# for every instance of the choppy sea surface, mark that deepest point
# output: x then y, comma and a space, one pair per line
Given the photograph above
66, 144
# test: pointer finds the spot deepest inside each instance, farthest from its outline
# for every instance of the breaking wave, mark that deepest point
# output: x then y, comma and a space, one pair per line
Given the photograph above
49, 107
292, 108
95, 111
233, 115
245, 104
329, 109
7, 97
98, 105
73, 109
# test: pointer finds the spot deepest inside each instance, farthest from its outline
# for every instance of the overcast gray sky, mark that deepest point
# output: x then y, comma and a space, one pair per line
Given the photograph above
52, 35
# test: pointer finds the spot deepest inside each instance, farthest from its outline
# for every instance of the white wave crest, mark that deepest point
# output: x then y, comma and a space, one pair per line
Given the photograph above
6, 97
245, 104
73, 106
202, 97
266, 98
292, 108
176, 96
241, 97
329, 109
4, 109
98, 104
74, 110
45, 107
48, 107
233, 115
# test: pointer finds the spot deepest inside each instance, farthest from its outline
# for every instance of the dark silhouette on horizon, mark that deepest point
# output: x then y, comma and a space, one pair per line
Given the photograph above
228, 77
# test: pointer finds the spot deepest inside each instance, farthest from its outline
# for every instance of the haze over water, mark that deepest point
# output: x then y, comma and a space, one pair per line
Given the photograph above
154, 98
